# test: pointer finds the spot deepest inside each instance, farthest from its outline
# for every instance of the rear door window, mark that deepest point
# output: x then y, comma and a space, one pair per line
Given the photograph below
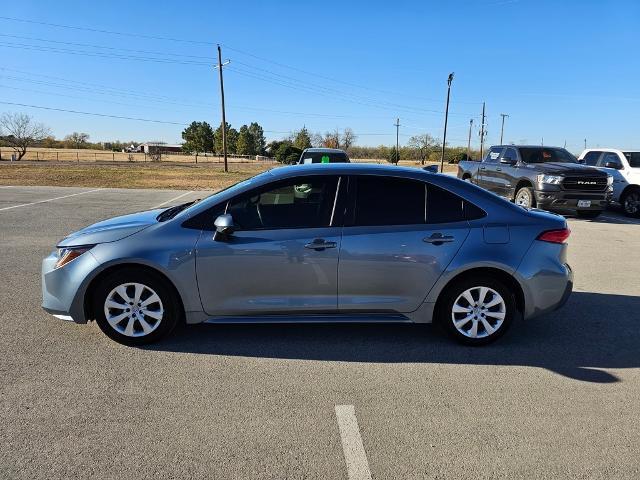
388, 201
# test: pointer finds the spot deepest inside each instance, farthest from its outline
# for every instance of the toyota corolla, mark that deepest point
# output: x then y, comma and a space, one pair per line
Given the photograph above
318, 243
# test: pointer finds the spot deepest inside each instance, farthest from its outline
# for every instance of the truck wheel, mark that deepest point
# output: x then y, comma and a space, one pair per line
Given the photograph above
589, 213
631, 202
525, 197
477, 311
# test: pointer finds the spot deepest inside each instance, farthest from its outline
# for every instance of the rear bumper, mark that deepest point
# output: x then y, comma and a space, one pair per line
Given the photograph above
562, 200
545, 277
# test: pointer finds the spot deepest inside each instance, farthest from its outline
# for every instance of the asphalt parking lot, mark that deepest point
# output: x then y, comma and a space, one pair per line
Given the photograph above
557, 397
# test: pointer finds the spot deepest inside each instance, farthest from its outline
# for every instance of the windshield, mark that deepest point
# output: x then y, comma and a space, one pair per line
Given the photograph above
324, 157
545, 155
633, 158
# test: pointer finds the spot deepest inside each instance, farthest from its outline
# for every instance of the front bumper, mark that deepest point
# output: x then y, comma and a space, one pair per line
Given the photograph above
63, 288
563, 200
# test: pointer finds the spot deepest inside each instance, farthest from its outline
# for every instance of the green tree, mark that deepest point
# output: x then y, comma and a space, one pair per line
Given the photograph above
77, 140
198, 137
287, 153
302, 139
424, 145
393, 156
259, 141
232, 139
245, 144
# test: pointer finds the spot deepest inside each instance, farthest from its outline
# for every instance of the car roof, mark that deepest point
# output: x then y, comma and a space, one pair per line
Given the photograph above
346, 169
614, 150
330, 150
526, 146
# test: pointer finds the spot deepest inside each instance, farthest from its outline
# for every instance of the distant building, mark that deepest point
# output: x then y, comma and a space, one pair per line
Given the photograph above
154, 147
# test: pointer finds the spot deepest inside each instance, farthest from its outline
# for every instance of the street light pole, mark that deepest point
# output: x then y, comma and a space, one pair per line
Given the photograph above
503, 115
397, 125
469, 141
224, 120
446, 119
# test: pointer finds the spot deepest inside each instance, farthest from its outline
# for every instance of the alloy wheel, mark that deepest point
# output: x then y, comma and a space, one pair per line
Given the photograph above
133, 309
632, 203
523, 198
478, 312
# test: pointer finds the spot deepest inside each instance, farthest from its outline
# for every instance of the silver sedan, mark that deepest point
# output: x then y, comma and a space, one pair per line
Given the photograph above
316, 243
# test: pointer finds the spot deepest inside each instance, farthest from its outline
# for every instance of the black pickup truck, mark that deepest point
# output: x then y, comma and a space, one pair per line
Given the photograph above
544, 177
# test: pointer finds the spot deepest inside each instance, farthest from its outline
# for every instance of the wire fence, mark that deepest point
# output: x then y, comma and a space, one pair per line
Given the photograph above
83, 156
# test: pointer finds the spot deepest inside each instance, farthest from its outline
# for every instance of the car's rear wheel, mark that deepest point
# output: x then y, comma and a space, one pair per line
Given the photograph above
135, 307
589, 213
477, 311
525, 197
631, 203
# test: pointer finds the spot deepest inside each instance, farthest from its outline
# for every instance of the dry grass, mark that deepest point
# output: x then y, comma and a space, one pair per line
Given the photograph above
134, 175
126, 176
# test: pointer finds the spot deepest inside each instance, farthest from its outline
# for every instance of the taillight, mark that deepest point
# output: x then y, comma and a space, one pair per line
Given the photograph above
555, 236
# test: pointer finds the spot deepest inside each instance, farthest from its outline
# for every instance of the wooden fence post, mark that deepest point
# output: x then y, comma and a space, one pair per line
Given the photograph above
77, 157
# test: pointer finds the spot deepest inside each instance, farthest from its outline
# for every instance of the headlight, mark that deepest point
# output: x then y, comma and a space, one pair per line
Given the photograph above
550, 179
67, 254
609, 180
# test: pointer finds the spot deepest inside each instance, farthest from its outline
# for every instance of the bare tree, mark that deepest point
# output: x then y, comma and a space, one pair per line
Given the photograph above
21, 132
424, 144
348, 138
331, 139
77, 139
317, 140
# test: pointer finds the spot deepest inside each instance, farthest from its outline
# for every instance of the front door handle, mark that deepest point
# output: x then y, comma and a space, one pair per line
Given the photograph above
498, 169
438, 239
483, 168
320, 244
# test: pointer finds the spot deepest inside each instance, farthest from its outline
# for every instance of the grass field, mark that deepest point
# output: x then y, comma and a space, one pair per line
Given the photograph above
133, 175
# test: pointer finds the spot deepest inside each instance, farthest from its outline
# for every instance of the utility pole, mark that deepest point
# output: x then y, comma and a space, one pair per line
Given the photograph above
469, 141
585, 143
503, 115
446, 119
397, 125
224, 121
482, 133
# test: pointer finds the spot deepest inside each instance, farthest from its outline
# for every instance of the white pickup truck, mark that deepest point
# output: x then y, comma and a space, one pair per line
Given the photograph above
624, 166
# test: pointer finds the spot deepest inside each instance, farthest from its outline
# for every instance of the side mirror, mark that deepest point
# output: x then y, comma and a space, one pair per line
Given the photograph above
224, 225
508, 160
610, 164
581, 160
431, 168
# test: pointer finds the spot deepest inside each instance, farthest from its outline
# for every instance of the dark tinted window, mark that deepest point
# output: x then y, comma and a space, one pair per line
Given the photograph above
493, 154
633, 158
443, 206
545, 155
204, 220
324, 157
303, 202
389, 201
591, 158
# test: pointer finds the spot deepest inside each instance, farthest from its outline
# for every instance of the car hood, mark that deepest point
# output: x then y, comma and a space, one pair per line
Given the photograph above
565, 169
111, 230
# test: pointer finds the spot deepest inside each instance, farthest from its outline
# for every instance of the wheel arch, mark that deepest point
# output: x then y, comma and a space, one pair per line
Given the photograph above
505, 277
522, 182
88, 304
629, 188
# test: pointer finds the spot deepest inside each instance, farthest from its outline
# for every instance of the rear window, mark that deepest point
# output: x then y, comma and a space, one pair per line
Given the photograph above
633, 158
324, 157
545, 155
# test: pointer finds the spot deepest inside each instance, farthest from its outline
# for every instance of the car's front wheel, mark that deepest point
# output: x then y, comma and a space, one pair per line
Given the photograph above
135, 307
631, 203
477, 311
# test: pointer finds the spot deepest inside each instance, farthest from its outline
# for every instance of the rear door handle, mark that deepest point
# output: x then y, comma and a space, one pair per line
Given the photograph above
438, 239
498, 169
483, 168
320, 244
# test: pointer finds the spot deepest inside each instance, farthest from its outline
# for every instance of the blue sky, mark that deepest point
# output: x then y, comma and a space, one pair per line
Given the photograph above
562, 71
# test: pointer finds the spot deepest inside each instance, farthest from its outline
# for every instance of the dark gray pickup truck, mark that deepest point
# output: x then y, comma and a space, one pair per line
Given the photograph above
544, 177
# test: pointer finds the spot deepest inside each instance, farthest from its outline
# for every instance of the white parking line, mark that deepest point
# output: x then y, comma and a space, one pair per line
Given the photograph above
175, 198
49, 199
354, 454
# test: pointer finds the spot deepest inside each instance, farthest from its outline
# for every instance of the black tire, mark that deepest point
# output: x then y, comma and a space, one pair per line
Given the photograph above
589, 213
525, 193
445, 315
169, 302
629, 202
